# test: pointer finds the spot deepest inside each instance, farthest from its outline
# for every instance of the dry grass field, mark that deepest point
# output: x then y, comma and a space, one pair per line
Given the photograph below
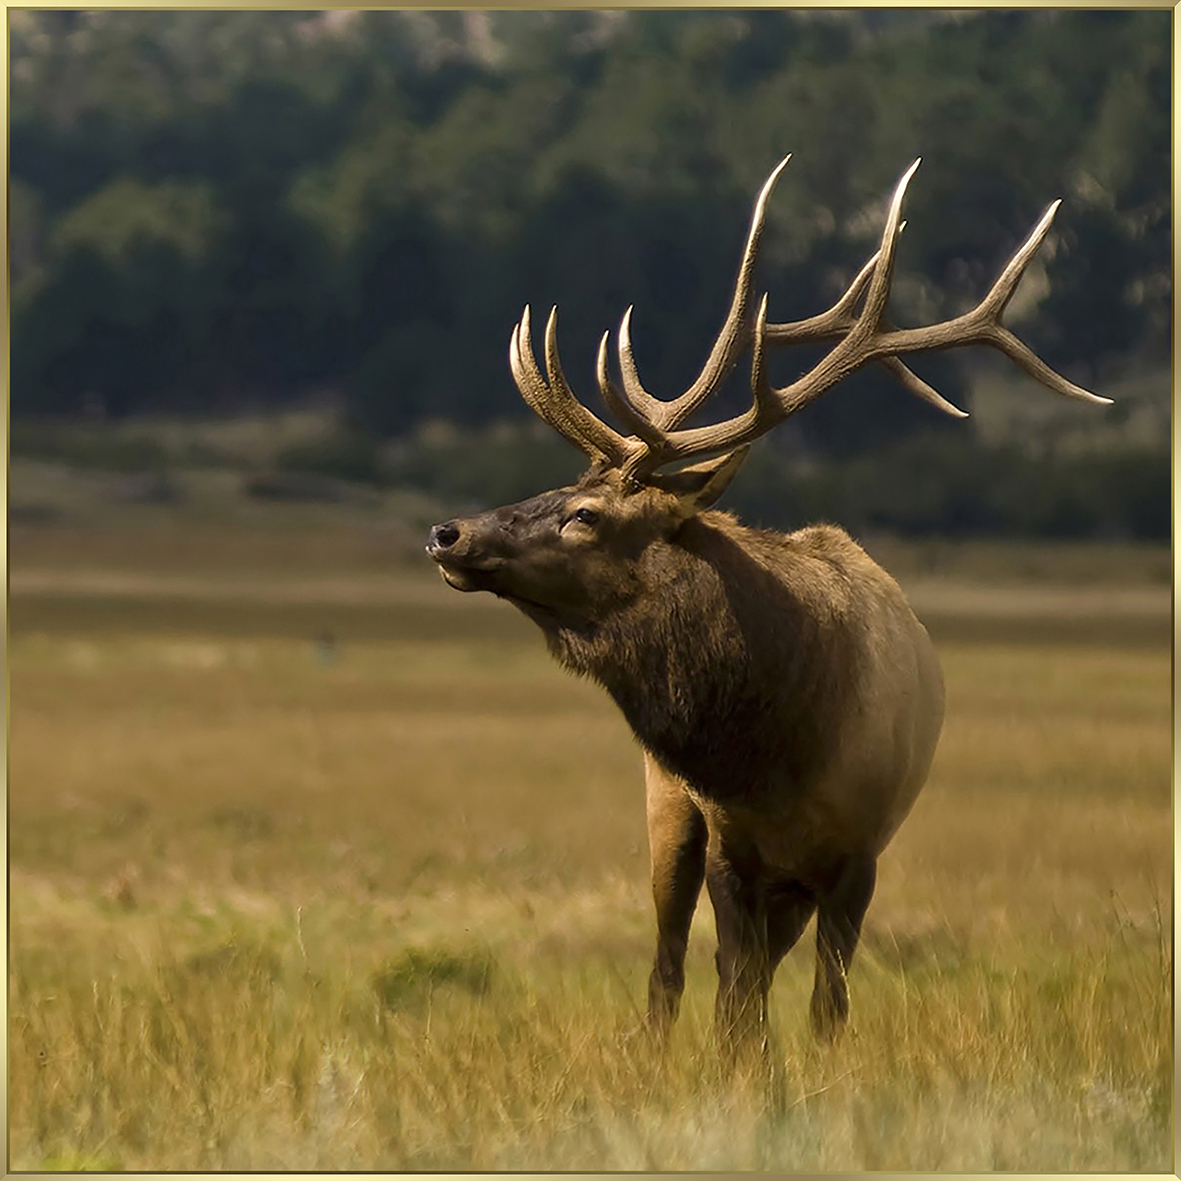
382, 904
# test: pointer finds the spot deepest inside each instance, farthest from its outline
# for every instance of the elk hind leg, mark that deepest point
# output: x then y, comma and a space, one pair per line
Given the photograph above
838, 928
744, 970
677, 839
789, 907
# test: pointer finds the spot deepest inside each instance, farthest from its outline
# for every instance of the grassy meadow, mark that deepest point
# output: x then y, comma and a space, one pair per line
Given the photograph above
381, 903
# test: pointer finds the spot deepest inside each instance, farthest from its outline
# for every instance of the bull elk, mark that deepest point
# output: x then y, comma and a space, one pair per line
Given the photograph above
787, 700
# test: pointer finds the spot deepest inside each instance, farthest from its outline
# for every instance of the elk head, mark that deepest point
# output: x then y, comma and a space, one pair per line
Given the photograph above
577, 552
573, 554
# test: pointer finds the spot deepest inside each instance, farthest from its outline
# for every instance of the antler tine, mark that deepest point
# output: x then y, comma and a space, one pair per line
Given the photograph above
618, 404
592, 429
879, 285
529, 381
552, 402
1001, 338
909, 380
867, 339
728, 346
837, 320
764, 403
1002, 290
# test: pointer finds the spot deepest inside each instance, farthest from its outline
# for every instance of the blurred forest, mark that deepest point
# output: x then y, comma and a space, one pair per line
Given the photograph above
215, 213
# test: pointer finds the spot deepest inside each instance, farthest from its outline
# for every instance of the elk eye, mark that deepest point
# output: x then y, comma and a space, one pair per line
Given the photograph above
587, 516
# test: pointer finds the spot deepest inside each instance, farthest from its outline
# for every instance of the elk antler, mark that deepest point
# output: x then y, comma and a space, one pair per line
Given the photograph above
555, 402
736, 333
836, 323
731, 341
861, 338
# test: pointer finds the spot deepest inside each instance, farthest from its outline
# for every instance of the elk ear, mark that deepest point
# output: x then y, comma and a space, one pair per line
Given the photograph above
697, 487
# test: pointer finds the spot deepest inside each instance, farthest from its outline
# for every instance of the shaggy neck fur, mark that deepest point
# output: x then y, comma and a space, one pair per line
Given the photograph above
723, 666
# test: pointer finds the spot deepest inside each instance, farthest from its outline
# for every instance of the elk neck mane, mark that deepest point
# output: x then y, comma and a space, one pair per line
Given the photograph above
734, 632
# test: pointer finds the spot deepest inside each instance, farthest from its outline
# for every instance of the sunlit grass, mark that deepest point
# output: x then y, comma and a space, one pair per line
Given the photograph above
244, 1040
387, 908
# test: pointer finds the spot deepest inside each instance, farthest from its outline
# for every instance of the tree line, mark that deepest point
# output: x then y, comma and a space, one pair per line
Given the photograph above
215, 209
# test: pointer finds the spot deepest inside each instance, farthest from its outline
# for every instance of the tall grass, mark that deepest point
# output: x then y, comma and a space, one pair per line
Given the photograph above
277, 907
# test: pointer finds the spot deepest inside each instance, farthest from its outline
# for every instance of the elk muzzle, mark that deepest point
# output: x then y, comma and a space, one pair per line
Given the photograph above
474, 553
461, 551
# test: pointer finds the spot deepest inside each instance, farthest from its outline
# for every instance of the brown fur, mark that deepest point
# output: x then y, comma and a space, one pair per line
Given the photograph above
787, 700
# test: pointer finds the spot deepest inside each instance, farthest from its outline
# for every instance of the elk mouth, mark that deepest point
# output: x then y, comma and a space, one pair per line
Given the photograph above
463, 576
459, 579
467, 578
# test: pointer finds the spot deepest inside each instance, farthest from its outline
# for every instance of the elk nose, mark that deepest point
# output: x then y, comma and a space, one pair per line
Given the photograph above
444, 536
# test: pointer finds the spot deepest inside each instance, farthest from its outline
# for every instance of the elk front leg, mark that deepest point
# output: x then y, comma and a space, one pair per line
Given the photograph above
838, 927
744, 972
676, 839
